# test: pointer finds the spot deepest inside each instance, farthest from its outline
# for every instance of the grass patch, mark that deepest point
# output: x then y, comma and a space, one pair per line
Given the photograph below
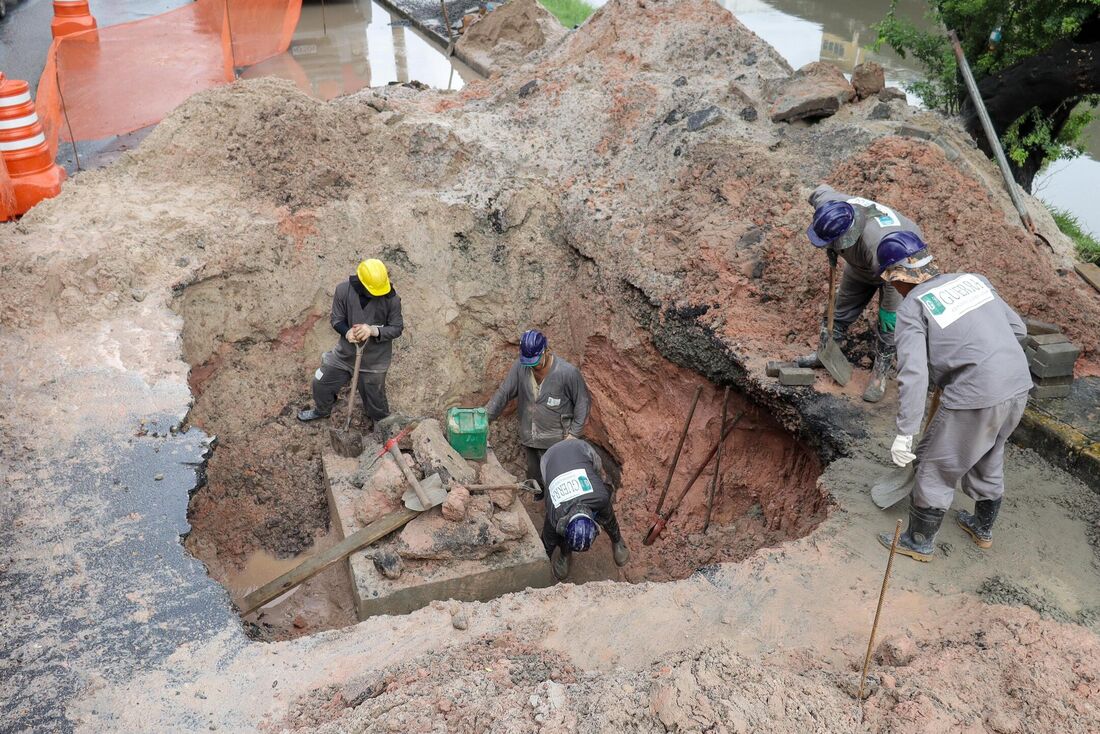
1088, 247
569, 12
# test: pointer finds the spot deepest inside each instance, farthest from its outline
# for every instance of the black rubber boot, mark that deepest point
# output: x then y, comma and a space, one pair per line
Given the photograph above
620, 553
876, 386
979, 525
310, 415
918, 541
560, 564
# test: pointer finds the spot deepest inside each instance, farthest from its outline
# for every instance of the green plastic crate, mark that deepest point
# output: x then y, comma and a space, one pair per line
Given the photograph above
468, 431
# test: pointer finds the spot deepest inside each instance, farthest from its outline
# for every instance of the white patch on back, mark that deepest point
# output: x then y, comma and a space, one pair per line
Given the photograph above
949, 302
570, 485
886, 216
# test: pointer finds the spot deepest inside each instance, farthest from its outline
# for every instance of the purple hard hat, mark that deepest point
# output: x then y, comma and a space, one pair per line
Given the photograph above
898, 247
832, 221
581, 532
531, 346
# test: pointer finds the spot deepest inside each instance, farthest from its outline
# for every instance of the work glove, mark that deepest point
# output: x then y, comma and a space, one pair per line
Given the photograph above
374, 331
902, 450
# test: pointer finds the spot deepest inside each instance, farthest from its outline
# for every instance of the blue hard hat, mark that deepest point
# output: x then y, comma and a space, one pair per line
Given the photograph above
831, 221
897, 247
581, 532
531, 346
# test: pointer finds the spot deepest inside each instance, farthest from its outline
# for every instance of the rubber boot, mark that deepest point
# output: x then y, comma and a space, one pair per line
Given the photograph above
310, 415
812, 359
560, 564
918, 541
979, 525
620, 553
876, 386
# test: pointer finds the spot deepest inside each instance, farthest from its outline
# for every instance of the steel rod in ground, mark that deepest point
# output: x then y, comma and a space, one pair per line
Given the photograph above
878, 610
679, 448
717, 463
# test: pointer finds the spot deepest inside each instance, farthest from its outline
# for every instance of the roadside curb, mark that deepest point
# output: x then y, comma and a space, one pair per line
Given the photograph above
1061, 440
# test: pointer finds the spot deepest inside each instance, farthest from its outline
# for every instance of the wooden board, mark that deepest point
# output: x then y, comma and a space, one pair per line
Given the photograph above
1090, 272
370, 534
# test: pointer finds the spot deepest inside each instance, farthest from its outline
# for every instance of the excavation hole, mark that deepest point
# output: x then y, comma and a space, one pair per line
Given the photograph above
265, 506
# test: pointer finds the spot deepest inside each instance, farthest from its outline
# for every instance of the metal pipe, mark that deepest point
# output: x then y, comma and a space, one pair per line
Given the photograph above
679, 447
717, 464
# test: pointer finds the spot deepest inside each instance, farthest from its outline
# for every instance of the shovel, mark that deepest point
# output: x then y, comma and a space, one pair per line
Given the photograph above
423, 496
832, 359
897, 485
347, 442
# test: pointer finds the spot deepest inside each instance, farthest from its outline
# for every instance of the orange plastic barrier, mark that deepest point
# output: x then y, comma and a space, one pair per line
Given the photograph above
30, 173
71, 16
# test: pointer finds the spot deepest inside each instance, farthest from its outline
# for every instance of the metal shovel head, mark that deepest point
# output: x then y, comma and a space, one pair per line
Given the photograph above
346, 443
894, 487
433, 488
835, 362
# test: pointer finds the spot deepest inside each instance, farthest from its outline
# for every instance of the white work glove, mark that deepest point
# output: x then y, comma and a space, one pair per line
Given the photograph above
902, 451
358, 333
374, 331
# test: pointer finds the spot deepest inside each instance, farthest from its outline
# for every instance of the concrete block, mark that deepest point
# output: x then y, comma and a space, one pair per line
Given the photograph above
1040, 370
1044, 392
1090, 273
1053, 355
1053, 381
1037, 340
1035, 326
796, 376
772, 370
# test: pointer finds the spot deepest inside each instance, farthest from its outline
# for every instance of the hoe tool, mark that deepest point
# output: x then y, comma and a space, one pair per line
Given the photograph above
348, 442
834, 361
897, 485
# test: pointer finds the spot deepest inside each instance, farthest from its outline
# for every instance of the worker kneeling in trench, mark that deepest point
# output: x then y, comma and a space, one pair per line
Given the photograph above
578, 503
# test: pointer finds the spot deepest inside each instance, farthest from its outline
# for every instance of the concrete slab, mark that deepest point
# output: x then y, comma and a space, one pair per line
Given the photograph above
796, 376
509, 564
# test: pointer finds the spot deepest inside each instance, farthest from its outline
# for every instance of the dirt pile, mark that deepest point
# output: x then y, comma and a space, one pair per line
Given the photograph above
504, 37
1014, 674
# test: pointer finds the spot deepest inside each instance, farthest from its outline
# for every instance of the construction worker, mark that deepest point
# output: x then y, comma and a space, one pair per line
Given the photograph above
955, 330
367, 309
578, 503
851, 228
552, 399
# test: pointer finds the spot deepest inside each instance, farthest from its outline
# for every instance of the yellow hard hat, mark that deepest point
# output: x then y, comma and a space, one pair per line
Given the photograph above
372, 274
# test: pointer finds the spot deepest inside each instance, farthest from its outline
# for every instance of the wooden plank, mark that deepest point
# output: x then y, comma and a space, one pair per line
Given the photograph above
360, 539
1090, 272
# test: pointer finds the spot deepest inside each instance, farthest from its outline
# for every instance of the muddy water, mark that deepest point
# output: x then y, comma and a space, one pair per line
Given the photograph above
342, 47
260, 568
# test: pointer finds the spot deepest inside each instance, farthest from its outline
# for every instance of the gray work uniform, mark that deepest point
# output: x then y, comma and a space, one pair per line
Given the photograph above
547, 412
575, 485
352, 305
859, 281
957, 332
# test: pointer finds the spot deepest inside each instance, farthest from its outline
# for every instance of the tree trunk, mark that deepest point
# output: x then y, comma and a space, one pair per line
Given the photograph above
1053, 81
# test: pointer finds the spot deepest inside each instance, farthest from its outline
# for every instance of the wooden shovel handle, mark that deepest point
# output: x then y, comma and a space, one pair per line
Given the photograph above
410, 477
831, 308
354, 382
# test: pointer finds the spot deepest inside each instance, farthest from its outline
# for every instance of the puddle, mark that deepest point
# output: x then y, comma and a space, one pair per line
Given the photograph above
260, 568
342, 47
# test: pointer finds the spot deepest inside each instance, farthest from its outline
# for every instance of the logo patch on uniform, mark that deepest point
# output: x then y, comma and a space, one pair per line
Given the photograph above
956, 298
553, 402
885, 215
319, 375
568, 486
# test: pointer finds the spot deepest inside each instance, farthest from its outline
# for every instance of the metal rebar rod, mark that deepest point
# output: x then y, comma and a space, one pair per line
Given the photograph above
717, 463
679, 447
990, 133
878, 610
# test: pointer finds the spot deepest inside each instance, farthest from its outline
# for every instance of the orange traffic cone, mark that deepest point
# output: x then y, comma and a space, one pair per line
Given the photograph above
33, 173
71, 16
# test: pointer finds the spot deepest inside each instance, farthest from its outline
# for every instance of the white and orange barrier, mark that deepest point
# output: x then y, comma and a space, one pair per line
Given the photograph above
71, 16
27, 158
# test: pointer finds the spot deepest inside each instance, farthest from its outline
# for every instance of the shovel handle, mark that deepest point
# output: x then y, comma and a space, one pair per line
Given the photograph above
831, 308
354, 382
410, 477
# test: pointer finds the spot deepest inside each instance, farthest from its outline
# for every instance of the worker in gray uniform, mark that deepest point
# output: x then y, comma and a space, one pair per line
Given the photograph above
954, 330
851, 228
578, 503
365, 308
551, 396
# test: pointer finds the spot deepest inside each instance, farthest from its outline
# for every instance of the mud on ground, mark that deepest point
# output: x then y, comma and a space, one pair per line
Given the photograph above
655, 254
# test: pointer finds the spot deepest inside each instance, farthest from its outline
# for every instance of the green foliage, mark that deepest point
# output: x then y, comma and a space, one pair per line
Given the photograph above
570, 12
1027, 27
1088, 247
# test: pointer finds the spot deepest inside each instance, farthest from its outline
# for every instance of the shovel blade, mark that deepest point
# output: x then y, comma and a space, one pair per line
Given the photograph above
346, 443
835, 363
432, 487
894, 487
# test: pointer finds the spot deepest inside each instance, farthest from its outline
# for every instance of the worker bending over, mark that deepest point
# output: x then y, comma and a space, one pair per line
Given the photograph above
578, 502
365, 308
851, 228
551, 396
955, 330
